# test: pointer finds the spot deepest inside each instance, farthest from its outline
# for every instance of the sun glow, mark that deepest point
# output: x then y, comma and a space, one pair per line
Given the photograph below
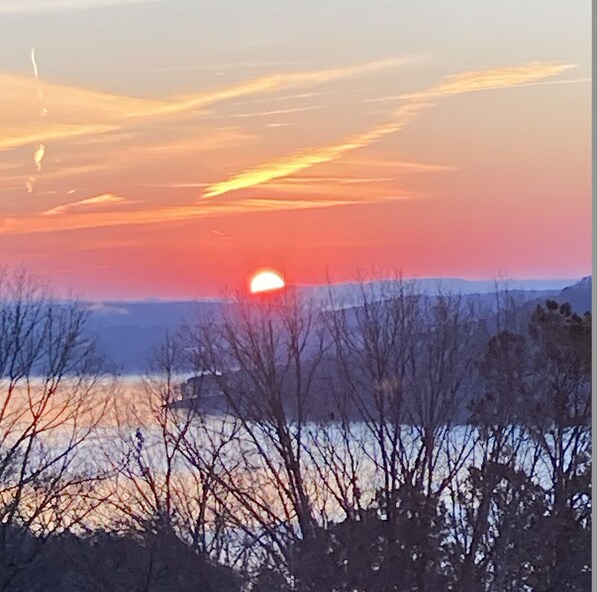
265, 281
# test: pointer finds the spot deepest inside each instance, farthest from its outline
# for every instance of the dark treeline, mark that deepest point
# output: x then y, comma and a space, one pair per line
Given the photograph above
407, 443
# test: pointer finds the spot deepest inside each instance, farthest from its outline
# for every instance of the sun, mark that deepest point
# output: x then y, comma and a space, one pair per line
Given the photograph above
265, 281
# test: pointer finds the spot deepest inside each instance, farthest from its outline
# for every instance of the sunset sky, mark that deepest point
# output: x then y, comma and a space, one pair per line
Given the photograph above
169, 148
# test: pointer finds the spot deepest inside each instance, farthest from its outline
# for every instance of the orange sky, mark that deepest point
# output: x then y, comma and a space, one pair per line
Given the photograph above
163, 164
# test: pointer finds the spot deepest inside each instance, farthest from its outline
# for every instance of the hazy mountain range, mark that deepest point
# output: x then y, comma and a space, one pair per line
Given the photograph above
127, 331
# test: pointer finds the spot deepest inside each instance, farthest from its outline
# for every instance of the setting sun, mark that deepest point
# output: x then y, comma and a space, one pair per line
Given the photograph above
265, 281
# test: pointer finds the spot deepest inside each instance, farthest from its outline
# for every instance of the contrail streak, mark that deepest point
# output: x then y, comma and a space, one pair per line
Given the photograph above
35, 71
309, 158
40, 92
40, 150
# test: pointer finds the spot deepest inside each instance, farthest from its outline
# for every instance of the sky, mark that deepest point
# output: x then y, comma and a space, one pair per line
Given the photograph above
170, 148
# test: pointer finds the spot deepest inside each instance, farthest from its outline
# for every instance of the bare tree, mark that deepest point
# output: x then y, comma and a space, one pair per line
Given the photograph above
51, 400
404, 361
165, 458
264, 356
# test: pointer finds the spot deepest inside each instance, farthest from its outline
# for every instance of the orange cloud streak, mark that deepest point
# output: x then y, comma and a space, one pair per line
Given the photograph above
306, 159
80, 112
80, 219
480, 80
97, 200
461, 83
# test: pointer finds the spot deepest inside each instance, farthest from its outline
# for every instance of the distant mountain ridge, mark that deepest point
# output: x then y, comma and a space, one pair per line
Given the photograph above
579, 295
127, 331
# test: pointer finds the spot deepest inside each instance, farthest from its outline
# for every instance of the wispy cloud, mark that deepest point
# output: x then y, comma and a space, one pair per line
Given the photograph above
229, 66
28, 6
362, 189
98, 200
77, 112
173, 185
77, 216
274, 112
281, 81
280, 124
286, 98
14, 135
58, 174
314, 190
339, 180
399, 165
391, 98
77, 220
308, 158
472, 81
492, 79
204, 141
